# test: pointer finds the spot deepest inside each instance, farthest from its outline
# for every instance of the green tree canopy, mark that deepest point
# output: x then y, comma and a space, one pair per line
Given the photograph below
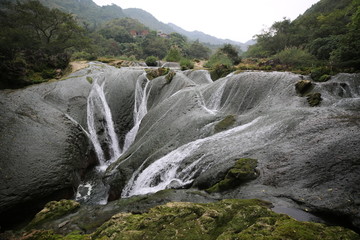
34, 39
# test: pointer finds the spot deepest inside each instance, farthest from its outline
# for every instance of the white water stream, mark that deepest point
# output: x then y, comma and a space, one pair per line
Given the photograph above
168, 171
140, 109
97, 107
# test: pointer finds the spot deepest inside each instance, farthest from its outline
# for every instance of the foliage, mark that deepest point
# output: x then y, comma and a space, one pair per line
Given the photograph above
154, 73
151, 61
35, 40
231, 52
329, 31
197, 50
294, 56
174, 54
220, 70
219, 59
186, 64
82, 55
321, 74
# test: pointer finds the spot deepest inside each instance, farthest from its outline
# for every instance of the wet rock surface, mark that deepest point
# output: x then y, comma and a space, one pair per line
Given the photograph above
307, 157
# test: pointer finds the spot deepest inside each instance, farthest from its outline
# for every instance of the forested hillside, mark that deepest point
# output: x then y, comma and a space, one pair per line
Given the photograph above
326, 34
37, 42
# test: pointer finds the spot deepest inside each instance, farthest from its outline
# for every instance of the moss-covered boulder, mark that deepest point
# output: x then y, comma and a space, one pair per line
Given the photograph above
227, 219
169, 77
154, 73
53, 210
224, 124
243, 170
314, 99
303, 86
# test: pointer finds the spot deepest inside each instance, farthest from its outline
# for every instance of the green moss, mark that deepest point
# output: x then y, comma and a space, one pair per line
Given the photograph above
324, 78
314, 99
154, 73
50, 235
303, 86
227, 219
90, 79
225, 123
243, 170
53, 210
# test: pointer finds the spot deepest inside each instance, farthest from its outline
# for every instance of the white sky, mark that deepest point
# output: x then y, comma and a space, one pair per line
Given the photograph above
237, 20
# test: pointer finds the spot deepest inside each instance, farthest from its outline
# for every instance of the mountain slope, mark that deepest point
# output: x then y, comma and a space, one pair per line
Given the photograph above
148, 20
89, 11
206, 38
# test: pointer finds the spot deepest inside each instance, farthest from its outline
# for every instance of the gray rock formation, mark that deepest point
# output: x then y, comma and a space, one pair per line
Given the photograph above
307, 156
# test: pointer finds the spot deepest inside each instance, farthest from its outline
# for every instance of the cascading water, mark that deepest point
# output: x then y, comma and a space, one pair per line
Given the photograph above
172, 169
104, 139
140, 109
214, 101
101, 127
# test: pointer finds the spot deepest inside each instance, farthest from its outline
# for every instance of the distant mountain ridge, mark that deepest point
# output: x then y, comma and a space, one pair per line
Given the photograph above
150, 21
87, 10
206, 38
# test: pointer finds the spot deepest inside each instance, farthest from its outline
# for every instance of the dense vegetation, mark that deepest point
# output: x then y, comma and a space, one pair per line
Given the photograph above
34, 42
325, 35
37, 42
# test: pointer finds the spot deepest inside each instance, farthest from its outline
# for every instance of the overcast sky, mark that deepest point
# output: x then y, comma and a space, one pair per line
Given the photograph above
237, 20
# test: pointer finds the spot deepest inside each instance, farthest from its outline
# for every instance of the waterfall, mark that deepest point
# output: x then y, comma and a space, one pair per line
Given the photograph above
101, 127
172, 170
140, 109
214, 102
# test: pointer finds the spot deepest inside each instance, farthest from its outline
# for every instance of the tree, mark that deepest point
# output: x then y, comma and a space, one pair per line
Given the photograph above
198, 50
35, 39
231, 51
153, 45
174, 54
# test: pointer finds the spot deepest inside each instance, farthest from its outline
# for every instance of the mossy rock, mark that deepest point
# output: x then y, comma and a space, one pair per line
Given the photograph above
53, 210
303, 86
152, 74
243, 170
90, 79
314, 99
324, 78
51, 235
224, 124
226, 219
169, 77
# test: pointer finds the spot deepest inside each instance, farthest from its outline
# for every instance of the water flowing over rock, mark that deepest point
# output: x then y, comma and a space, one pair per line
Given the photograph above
184, 133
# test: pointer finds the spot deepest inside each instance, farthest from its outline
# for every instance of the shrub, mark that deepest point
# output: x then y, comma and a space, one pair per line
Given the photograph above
219, 59
186, 64
174, 55
321, 74
151, 61
220, 71
295, 57
83, 56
